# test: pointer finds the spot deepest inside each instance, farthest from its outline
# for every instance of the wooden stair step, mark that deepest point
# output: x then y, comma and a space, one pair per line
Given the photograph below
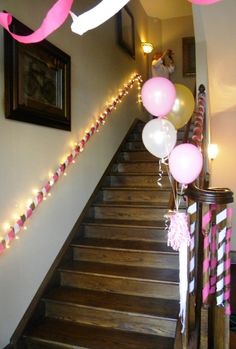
109, 231
138, 180
124, 279
135, 136
136, 155
125, 256
135, 194
124, 244
135, 145
127, 211
53, 333
128, 223
142, 273
139, 155
124, 312
146, 167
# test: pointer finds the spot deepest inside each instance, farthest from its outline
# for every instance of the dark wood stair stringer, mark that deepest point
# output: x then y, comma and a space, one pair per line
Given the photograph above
115, 281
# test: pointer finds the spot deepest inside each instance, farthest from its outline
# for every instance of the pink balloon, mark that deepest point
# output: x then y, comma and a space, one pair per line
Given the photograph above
158, 96
185, 163
203, 2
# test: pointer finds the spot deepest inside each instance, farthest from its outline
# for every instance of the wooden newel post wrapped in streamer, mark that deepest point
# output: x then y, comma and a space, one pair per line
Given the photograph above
211, 274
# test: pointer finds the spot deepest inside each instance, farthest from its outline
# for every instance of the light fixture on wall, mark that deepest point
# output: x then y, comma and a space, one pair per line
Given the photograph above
212, 151
147, 47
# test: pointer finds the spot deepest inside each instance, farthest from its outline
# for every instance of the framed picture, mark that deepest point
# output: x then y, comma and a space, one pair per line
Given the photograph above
37, 81
125, 31
189, 57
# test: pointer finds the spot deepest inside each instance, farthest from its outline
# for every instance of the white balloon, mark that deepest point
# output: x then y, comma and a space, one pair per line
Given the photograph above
96, 16
159, 137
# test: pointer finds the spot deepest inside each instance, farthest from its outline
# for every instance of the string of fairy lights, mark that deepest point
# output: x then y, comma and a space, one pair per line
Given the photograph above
11, 231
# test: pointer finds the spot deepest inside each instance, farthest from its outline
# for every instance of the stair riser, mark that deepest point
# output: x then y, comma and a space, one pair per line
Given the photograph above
161, 197
112, 319
135, 136
139, 181
137, 156
135, 167
134, 287
125, 233
134, 146
148, 259
127, 213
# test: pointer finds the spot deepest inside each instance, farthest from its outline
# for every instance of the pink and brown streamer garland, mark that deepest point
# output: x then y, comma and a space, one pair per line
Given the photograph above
19, 224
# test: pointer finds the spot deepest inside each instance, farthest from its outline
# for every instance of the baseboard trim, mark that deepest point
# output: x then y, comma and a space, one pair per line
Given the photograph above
233, 257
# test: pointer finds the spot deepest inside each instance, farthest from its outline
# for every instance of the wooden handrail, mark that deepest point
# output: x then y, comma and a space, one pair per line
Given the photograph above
210, 196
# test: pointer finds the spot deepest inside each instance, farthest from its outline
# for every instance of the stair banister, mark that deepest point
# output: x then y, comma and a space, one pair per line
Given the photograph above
209, 253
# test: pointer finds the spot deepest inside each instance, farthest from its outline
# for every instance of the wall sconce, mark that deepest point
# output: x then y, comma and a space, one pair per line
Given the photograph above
147, 47
212, 151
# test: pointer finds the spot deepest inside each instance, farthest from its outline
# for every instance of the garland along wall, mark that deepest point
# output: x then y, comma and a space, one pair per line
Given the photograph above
29, 152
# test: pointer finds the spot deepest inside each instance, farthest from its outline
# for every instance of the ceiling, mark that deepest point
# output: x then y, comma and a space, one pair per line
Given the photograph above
164, 9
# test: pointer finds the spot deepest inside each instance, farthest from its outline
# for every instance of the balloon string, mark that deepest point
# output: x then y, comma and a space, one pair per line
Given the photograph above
160, 173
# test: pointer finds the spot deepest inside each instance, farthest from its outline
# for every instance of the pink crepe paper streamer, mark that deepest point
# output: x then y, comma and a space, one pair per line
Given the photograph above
179, 239
178, 230
55, 17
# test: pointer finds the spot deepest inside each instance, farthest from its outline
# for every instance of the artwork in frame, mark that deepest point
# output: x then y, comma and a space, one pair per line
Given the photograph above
189, 57
37, 81
125, 31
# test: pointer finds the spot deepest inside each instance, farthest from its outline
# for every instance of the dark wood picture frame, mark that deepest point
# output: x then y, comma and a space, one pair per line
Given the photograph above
125, 31
37, 81
189, 56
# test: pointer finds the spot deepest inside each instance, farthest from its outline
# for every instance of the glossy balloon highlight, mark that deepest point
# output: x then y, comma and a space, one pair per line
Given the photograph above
159, 137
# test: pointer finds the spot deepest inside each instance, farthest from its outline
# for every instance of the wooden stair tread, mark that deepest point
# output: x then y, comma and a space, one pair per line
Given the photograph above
130, 204
163, 308
157, 189
137, 174
127, 223
150, 246
143, 273
77, 335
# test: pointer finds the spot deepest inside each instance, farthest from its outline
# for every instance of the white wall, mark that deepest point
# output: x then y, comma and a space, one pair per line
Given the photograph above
28, 152
216, 36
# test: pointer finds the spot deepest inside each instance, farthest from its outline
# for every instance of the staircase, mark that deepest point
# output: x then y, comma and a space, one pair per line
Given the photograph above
119, 288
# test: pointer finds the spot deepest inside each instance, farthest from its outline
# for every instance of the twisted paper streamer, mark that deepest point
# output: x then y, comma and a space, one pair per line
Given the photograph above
192, 209
198, 122
15, 229
55, 17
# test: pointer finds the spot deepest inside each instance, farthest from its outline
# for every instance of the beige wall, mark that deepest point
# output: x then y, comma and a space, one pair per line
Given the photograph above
28, 152
173, 30
168, 34
215, 35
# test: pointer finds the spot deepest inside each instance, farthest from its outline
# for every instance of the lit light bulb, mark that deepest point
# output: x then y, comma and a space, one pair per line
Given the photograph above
6, 226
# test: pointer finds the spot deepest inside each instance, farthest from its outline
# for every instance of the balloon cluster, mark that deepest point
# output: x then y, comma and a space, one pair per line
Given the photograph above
172, 106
